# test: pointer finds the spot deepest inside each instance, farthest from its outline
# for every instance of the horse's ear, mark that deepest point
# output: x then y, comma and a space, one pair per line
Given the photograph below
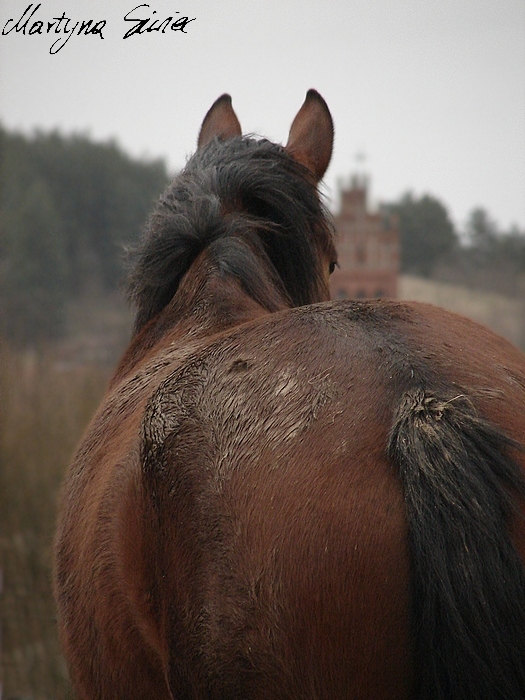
220, 121
312, 135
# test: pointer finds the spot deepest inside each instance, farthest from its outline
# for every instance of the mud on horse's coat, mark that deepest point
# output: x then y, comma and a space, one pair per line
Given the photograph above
282, 496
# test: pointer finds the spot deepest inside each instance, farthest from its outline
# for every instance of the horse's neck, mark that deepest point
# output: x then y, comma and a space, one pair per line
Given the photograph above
192, 317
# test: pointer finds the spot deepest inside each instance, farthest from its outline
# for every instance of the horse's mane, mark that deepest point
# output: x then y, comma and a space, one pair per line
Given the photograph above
244, 188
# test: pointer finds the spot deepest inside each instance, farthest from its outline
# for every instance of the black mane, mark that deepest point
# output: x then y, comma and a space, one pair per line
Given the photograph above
244, 188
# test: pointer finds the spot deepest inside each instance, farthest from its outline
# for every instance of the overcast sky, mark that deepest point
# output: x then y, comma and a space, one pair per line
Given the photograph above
432, 92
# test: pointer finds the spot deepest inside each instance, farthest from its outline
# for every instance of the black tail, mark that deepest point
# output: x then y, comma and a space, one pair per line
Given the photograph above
468, 582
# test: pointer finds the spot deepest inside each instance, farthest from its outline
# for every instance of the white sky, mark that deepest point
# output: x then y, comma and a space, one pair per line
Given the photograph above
432, 91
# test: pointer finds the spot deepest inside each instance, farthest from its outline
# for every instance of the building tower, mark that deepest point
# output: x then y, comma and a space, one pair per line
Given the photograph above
367, 245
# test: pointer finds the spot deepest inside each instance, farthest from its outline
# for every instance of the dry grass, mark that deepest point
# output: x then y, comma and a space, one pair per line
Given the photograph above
44, 409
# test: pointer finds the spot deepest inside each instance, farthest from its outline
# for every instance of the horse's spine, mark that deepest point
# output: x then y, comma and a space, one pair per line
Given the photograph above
467, 580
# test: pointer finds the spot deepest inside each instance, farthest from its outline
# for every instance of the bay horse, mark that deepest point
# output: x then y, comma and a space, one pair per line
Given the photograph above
286, 497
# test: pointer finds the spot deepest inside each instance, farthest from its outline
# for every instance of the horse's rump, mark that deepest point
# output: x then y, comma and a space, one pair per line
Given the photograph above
281, 522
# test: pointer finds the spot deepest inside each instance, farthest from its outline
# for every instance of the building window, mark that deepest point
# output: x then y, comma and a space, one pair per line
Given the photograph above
360, 255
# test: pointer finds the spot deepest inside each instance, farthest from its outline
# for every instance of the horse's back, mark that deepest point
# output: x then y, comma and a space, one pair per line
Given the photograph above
262, 540
279, 508
283, 528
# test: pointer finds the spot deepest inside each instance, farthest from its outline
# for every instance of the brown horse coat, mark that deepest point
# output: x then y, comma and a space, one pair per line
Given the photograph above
313, 502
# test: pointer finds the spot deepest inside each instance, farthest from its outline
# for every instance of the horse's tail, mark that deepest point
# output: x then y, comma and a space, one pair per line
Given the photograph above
468, 582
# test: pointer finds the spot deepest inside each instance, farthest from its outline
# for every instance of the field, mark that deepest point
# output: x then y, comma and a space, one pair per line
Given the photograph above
502, 314
47, 399
44, 411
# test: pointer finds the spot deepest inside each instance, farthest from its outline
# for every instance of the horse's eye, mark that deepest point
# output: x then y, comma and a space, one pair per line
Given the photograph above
332, 267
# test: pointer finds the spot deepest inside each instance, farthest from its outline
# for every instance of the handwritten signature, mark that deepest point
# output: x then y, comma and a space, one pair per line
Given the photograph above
29, 25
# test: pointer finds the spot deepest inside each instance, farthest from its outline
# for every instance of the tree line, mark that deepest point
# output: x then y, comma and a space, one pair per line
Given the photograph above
69, 207
480, 256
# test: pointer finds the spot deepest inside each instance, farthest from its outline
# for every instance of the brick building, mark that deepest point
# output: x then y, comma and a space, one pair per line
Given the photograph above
367, 245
